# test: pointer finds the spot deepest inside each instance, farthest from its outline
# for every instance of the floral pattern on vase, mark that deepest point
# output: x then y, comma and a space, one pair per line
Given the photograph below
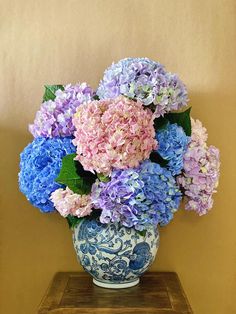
113, 253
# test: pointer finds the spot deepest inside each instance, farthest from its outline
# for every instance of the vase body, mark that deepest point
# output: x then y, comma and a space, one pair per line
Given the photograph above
114, 255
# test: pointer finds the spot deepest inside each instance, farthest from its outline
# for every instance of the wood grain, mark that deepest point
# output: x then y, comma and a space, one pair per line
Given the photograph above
74, 293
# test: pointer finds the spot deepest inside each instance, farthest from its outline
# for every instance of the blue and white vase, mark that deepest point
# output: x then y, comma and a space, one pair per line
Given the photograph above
114, 255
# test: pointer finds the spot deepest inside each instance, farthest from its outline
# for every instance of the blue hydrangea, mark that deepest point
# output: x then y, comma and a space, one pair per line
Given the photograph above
40, 164
146, 81
139, 197
173, 144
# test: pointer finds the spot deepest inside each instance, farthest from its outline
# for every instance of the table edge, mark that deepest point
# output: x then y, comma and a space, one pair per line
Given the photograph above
55, 291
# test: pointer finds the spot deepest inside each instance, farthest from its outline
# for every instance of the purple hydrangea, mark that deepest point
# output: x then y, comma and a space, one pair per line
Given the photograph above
200, 176
40, 164
201, 172
55, 117
144, 80
173, 143
138, 197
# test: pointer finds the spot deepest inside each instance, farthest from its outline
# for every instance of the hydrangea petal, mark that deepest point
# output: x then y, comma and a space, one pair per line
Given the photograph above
116, 133
200, 177
173, 144
138, 197
40, 164
55, 117
144, 80
67, 203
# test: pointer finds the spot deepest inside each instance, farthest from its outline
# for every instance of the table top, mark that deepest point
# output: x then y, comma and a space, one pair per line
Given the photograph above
74, 293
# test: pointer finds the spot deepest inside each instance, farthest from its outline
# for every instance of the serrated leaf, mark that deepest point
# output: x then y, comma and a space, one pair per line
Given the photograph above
74, 176
87, 176
182, 119
68, 175
160, 123
50, 90
73, 221
156, 157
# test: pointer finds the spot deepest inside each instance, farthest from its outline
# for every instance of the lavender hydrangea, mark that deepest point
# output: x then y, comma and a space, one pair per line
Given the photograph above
173, 143
40, 164
201, 172
138, 197
144, 80
55, 117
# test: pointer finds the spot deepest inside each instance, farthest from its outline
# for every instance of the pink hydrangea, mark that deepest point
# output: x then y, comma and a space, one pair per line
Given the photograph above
113, 133
67, 203
201, 171
199, 133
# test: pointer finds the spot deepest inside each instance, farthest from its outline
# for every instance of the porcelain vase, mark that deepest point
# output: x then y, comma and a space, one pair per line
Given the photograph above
114, 255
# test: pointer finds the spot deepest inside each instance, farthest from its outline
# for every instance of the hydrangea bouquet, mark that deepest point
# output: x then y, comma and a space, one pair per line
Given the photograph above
127, 153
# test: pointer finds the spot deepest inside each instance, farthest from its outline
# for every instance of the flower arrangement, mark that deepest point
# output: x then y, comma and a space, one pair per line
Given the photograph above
128, 152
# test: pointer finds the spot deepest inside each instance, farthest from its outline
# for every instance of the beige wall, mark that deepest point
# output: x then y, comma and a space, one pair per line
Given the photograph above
63, 41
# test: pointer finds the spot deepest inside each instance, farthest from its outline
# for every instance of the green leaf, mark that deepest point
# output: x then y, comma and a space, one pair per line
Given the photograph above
103, 178
156, 157
49, 93
74, 176
142, 233
73, 221
182, 119
160, 123
68, 175
96, 97
88, 177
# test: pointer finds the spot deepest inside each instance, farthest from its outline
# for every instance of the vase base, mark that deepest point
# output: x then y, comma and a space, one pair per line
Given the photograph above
115, 285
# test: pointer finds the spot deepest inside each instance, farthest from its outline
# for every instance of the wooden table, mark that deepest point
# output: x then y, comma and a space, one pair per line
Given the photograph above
74, 293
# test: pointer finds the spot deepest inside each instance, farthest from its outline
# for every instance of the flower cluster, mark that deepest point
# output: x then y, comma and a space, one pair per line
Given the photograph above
139, 197
130, 156
199, 134
68, 203
172, 145
144, 80
40, 163
55, 116
116, 133
201, 171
